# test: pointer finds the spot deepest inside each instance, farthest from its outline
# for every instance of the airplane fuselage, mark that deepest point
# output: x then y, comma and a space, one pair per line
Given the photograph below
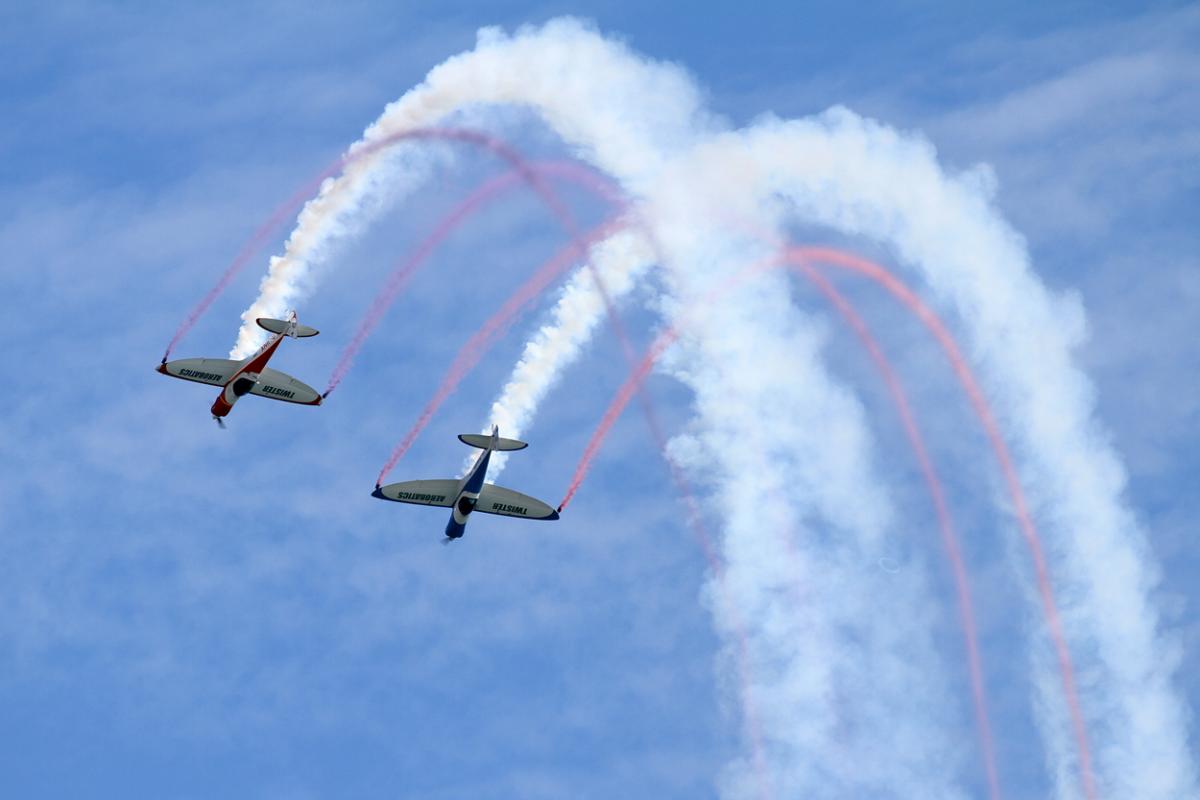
245, 378
468, 495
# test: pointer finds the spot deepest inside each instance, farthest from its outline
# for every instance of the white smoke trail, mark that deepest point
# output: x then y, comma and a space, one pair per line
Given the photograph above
762, 435
341, 210
629, 117
527, 70
621, 261
862, 178
782, 444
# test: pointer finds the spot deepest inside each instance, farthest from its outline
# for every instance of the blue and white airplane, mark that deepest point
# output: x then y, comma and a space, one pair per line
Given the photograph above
470, 493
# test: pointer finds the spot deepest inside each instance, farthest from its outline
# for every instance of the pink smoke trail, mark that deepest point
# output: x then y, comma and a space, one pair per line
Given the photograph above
600, 187
704, 540
292, 205
252, 246
946, 528
832, 257
405, 269
900, 399
983, 411
682, 485
470, 353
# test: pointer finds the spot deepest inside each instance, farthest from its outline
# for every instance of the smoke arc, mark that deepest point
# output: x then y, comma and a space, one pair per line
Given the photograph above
785, 458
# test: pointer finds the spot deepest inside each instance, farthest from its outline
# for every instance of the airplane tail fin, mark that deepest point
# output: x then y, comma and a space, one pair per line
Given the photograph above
289, 327
484, 441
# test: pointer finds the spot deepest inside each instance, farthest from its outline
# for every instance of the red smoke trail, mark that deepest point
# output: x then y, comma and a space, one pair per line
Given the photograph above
600, 187
704, 540
256, 241
470, 353
682, 485
631, 386
946, 529
289, 208
900, 398
408, 267
983, 411
604, 189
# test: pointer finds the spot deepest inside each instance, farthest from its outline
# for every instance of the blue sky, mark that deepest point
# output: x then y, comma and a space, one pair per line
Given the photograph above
186, 612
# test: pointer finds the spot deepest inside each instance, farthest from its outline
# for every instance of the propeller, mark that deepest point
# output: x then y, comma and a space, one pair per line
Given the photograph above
220, 422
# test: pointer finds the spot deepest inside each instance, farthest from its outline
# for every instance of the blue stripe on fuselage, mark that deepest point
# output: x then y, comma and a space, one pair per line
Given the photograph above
474, 481
471, 486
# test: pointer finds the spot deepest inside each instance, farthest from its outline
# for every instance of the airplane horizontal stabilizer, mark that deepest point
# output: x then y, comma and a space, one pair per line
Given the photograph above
422, 493
495, 499
283, 326
483, 441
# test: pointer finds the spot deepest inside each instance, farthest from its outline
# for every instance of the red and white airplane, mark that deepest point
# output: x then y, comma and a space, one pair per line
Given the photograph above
250, 375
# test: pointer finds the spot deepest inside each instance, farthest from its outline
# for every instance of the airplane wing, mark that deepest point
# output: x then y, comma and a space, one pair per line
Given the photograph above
278, 385
422, 493
495, 499
213, 371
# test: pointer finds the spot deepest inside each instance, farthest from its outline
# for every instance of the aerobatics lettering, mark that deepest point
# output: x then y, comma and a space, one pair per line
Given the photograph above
421, 498
510, 509
278, 392
204, 376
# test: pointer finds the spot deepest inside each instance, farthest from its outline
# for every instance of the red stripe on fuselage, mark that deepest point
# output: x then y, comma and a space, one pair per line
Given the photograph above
260, 359
256, 363
220, 408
